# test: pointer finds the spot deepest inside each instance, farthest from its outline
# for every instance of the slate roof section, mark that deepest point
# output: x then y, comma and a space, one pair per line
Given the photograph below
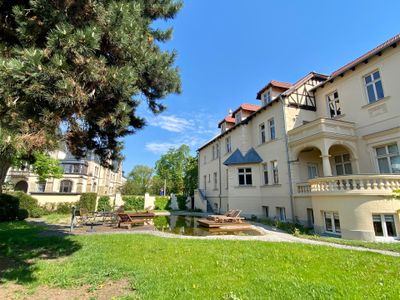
237, 158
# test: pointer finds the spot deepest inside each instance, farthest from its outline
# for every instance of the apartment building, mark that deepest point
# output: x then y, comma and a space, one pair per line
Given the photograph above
80, 176
323, 151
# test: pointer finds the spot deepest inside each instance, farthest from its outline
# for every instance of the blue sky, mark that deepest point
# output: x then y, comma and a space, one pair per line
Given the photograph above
229, 49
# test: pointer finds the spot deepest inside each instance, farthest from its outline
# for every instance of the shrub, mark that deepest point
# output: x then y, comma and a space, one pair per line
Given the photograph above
293, 228
22, 214
88, 201
9, 205
29, 203
162, 203
104, 204
64, 207
181, 199
133, 202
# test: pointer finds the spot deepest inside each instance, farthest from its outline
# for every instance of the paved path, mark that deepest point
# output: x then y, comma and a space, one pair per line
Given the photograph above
270, 234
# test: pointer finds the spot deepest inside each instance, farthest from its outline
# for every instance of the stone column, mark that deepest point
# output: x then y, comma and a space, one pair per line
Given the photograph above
326, 165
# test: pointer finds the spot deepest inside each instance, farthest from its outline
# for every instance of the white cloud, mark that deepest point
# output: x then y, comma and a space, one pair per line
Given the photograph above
171, 123
192, 129
160, 148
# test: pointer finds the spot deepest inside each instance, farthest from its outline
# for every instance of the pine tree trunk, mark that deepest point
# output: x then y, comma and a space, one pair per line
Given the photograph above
4, 166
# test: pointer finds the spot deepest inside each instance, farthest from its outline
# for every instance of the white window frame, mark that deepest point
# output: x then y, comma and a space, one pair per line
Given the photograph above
245, 172
335, 102
228, 145
62, 186
384, 227
275, 171
271, 129
261, 130
331, 215
238, 117
387, 156
343, 163
373, 84
265, 173
281, 213
215, 180
312, 166
267, 97
39, 185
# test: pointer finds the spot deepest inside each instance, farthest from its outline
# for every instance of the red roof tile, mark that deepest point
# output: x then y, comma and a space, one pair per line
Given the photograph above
367, 55
227, 119
248, 107
274, 83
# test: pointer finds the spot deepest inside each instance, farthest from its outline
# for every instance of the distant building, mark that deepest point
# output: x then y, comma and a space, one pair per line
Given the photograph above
323, 151
80, 176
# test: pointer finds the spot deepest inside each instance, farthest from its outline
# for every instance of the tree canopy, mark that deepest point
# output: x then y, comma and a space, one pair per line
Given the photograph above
139, 180
77, 70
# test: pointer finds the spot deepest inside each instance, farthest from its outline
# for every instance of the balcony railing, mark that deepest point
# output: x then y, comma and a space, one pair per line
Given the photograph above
322, 126
364, 184
303, 188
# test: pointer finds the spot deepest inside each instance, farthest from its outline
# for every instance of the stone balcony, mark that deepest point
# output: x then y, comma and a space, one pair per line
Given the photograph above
375, 184
321, 128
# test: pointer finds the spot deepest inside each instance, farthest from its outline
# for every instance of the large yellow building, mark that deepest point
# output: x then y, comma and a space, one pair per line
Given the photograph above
323, 151
80, 176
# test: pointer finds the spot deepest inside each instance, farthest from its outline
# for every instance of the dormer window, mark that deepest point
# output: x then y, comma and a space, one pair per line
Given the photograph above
267, 97
238, 117
223, 127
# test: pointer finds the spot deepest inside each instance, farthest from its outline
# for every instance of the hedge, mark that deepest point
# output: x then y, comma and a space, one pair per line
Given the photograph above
133, 202
181, 199
104, 204
88, 201
22, 214
162, 203
59, 207
9, 205
29, 203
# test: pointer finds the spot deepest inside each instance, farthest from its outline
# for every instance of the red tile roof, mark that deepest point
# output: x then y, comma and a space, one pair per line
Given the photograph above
367, 55
274, 83
248, 107
227, 119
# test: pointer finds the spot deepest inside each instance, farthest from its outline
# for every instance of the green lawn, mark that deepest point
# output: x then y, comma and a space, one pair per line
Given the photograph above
162, 268
395, 246
57, 218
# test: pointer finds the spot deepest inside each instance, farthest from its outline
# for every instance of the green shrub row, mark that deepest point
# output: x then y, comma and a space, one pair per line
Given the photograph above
58, 207
29, 203
133, 202
293, 228
104, 204
88, 201
162, 203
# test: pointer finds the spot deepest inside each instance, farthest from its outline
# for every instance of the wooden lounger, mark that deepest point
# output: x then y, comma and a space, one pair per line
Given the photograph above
125, 219
229, 213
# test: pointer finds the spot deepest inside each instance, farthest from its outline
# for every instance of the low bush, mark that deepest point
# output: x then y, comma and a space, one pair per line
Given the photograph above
162, 203
88, 201
22, 214
29, 203
9, 205
292, 228
104, 204
58, 207
133, 202
181, 199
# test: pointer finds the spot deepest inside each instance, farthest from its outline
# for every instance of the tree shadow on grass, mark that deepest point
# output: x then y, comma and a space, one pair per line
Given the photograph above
22, 245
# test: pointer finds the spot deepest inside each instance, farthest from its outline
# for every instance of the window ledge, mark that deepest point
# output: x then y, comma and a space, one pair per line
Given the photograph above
338, 117
271, 185
376, 103
245, 187
268, 142
215, 189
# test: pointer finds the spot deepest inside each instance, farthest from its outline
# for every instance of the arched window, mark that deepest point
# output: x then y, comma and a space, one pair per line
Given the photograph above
66, 186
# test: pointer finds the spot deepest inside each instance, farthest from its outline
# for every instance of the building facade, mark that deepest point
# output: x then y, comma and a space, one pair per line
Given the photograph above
323, 151
80, 176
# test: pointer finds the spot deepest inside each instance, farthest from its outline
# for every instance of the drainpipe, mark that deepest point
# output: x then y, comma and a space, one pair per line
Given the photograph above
220, 177
288, 159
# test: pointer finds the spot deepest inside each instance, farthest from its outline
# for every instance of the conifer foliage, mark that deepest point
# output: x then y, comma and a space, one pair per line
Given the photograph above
77, 70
